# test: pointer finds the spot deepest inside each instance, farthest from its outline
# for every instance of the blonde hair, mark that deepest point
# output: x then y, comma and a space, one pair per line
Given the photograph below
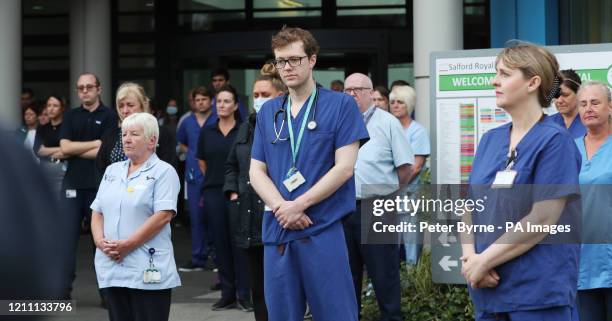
406, 94
602, 87
532, 61
147, 121
129, 88
269, 73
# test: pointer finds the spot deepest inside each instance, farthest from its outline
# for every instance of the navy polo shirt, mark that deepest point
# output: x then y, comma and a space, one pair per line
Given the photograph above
213, 148
81, 125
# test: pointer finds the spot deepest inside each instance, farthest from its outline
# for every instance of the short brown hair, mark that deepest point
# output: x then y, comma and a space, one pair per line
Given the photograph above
532, 61
289, 35
203, 91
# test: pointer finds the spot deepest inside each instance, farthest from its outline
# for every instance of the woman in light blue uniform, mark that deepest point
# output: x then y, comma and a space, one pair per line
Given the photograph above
567, 104
595, 278
533, 168
130, 225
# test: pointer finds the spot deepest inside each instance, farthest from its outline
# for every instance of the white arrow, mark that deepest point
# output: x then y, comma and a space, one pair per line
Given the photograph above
446, 263
445, 239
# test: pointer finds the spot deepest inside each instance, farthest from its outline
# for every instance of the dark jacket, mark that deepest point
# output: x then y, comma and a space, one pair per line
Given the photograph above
246, 213
166, 149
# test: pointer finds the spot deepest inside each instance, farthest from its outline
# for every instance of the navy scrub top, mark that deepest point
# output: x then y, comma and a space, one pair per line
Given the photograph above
339, 123
576, 129
548, 163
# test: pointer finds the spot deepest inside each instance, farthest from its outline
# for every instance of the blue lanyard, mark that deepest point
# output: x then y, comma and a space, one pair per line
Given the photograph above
295, 145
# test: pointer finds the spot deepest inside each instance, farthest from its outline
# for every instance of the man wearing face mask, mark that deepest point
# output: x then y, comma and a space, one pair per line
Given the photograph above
246, 208
171, 117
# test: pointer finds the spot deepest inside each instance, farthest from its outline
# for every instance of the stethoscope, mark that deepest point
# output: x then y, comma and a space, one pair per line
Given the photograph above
312, 124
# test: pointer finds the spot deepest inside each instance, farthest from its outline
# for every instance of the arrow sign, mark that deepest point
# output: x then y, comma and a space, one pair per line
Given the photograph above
446, 263
445, 239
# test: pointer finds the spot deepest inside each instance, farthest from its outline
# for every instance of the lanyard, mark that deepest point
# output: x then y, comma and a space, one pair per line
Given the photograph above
368, 114
295, 144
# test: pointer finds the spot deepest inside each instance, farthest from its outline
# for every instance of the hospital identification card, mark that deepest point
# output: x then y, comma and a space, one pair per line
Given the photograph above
504, 179
294, 181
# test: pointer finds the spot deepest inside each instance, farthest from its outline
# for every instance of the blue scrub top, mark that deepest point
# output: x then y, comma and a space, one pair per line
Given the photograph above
576, 129
339, 123
188, 134
548, 165
596, 186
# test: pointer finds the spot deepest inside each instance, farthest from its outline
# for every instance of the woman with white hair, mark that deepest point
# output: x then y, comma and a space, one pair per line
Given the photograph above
402, 101
130, 226
594, 279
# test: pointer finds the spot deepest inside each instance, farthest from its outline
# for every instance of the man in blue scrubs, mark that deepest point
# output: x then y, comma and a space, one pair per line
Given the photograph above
383, 164
304, 151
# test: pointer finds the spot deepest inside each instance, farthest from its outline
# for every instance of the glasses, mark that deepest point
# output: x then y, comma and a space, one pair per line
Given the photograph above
86, 87
356, 90
293, 62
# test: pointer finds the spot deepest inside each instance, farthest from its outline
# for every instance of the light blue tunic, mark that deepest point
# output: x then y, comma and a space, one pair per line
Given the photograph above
377, 162
595, 180
126, 203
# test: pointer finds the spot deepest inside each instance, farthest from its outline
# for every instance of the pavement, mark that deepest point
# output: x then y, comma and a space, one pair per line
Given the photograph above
192, 301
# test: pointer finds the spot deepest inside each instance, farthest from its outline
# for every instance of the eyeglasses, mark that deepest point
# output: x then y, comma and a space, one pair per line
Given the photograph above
85, 87
356, 90
293, 62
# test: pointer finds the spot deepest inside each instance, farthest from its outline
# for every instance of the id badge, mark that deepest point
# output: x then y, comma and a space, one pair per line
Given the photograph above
294, 181
71, 193
151, 276
504, 179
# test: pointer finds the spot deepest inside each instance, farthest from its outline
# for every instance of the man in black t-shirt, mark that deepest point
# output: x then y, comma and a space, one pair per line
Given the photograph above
80, 136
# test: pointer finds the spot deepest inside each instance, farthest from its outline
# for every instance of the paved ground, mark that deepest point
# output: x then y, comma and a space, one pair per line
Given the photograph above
192, 301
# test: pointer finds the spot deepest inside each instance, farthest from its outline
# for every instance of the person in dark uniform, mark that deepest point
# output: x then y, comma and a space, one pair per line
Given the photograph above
80, 136
46, 143
214, 145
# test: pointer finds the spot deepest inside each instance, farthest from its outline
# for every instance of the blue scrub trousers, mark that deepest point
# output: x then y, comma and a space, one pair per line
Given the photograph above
382, 262
564, 313
200, 248
595, 304
313, 269
231, 261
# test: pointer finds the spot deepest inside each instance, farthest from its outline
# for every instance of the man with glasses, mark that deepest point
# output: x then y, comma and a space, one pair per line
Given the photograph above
80, 140
383, 165
304, 151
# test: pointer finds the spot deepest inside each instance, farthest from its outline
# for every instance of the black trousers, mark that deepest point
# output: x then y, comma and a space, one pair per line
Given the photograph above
76, 210
125, 304
382, 264
232, 262
255, 256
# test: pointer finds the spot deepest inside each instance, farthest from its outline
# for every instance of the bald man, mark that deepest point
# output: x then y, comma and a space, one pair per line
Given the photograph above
383, 165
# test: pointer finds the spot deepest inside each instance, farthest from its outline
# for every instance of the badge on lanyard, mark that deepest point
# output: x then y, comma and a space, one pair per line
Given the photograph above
294, 178
505, 178
152, 274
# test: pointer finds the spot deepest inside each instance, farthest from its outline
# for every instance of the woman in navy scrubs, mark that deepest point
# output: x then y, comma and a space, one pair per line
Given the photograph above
527, 172
567, 104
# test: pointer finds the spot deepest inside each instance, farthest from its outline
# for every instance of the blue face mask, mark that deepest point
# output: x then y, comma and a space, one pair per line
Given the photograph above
171, 110
259, 102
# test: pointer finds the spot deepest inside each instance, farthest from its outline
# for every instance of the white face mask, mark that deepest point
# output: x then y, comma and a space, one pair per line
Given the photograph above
171, 110
259, 102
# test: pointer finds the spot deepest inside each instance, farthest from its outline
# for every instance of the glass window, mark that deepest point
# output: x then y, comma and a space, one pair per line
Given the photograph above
287, 14
197, 5
206, 21
45, 25
136, 49
371, 12
136, 62
136, 23
45, 51
586, 21
136, 6
286, 4
369, 3
43, 8
46, 64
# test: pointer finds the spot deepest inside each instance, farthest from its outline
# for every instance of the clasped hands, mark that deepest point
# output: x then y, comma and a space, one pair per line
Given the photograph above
291, 215
476, 272
116, 250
